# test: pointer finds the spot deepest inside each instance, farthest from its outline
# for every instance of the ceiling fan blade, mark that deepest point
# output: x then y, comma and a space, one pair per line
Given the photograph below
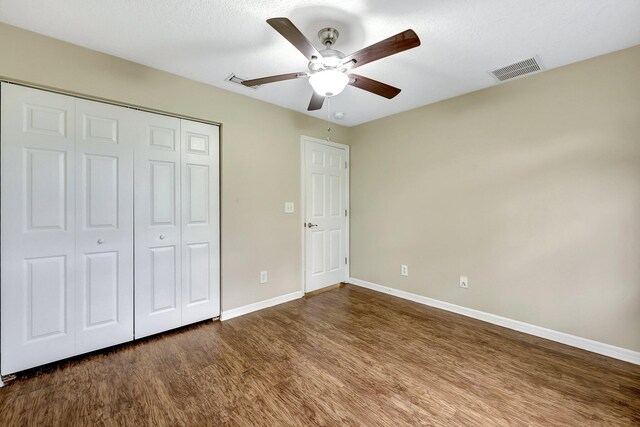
316, 102
294, 36
272, 79
405, 40
373, 86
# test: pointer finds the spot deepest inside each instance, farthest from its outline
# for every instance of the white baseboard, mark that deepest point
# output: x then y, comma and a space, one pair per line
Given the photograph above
561, 337
239, 311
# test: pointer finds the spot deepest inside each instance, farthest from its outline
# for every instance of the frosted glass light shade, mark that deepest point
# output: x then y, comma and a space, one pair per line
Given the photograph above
328, 82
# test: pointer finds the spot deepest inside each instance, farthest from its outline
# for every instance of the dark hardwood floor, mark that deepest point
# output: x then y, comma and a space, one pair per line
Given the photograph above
348, 356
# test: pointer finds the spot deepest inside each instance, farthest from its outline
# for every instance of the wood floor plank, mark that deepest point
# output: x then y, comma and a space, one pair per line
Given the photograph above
347, 356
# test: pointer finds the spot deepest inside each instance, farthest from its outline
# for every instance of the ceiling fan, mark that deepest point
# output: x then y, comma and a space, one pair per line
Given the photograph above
329, 69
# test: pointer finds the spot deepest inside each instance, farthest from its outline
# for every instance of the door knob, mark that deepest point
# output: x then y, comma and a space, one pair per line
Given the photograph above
311, 225
161, 237
100, 241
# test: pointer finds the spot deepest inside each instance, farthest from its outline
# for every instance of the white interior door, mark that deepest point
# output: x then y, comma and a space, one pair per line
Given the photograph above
104, 225
200, 223
326, 220
38, 227
158, 272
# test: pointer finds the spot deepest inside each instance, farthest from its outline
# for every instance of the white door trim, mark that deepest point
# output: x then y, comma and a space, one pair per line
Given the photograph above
303, 203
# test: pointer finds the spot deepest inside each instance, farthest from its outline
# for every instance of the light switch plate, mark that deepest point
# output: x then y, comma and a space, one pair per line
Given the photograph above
288, 207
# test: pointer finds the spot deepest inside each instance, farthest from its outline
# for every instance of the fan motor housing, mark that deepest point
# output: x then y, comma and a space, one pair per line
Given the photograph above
331, 58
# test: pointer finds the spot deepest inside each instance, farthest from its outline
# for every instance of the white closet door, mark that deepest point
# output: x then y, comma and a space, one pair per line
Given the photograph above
104, 225
38, 221
158, 294
200, 222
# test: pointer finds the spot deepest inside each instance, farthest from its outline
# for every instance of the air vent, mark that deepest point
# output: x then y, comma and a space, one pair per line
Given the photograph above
517, 69
237, 80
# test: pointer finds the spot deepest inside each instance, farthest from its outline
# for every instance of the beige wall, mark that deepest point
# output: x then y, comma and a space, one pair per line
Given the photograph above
531, 188
260, 160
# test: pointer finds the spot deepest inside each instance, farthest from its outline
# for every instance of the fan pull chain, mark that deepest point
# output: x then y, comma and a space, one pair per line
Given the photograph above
328, 117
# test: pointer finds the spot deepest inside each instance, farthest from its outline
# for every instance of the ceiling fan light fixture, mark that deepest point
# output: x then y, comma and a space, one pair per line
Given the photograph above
329, 70
328, 82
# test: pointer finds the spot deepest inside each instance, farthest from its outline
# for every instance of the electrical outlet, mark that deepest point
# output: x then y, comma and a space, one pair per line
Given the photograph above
464, 282
263, 277
288, 207
404, 270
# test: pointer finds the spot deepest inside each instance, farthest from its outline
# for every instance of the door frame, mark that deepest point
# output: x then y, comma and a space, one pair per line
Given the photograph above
303, 202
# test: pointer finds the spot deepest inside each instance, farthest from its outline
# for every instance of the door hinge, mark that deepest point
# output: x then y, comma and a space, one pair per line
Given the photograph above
345, 260
345, 212
345, 164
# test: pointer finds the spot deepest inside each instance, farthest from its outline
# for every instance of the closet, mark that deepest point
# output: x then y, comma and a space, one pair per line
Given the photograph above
109, 225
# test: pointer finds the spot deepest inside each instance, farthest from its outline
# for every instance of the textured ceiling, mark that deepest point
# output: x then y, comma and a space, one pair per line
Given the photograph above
207, 40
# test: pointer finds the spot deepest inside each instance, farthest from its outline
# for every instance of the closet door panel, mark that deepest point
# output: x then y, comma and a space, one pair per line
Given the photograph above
198, 260
101, 304
163, 280
158, 272
37, 227
200, 222
104, 224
